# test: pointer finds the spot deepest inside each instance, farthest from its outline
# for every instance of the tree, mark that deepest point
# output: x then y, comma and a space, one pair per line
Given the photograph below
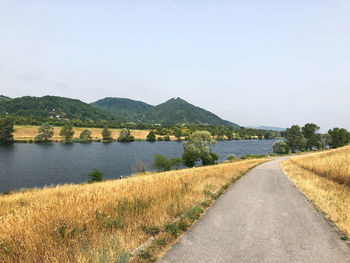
6, 130
67, 133
151, 137
45, 133
196, 148
85, 135
295, 138
161, 163
167, 138
178, 134
268, 135
106, 135
312, 139
95, 176
140, 167
339, 137
280, 147
125, 136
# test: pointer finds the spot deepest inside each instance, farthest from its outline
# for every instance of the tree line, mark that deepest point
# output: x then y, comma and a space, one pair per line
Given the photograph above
308, 138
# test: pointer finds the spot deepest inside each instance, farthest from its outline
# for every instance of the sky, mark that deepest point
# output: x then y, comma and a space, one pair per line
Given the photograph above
273, 63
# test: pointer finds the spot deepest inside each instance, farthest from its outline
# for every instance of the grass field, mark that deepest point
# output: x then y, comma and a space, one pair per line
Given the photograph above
324, 178
26, 133
103, 222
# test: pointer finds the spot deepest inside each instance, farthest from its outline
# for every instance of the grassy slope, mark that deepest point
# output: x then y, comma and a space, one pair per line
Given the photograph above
129, 109
26, 133
97, 222
325, 179
48, 106
177, 111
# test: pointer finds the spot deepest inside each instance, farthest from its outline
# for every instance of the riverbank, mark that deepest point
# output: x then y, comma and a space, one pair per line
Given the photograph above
324, 178
80, 223
24, 133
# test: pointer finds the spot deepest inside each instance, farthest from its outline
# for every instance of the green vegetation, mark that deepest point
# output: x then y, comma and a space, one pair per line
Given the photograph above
6, 130
67, 133
338, 137
85, 135
95, 176
178, 111
106, 135
45, 133
151, 137
312, 138
53, 107
280, 147
231, 157
161, 163
125, 136
129, 109
196, 149
295, 138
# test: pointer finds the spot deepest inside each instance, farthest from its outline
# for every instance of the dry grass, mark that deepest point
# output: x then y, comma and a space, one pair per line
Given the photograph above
324, 179
26, 133
97, 222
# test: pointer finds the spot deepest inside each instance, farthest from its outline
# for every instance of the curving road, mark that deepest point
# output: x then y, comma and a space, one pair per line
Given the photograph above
262, 218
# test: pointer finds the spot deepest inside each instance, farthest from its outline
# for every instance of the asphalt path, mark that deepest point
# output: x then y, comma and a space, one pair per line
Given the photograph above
262, 218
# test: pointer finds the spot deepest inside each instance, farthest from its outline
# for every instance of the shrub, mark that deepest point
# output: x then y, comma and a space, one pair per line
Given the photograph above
45, 133
280, 147
175, 163
106, 135
125, 136
231, 157
151, 137
95, 176
67, 133
85, 136
166, 138
161, 163
140, 167
160, 139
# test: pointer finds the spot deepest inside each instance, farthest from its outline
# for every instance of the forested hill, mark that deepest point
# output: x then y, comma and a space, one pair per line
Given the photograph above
130, 110
179, 111
53, 107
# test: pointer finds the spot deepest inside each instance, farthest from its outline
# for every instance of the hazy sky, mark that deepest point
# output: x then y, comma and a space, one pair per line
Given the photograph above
252, 62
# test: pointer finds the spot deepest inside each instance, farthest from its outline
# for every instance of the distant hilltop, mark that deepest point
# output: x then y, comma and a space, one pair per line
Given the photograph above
266, 128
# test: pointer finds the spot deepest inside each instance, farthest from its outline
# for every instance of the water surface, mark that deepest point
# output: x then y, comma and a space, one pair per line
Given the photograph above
36, 165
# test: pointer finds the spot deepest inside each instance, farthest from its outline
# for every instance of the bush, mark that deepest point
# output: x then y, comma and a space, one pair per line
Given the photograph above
95, 176
160, 139
166, 138
280, 147
151, 137
125, 136
85, 136
161, 163
140, 167
106, 135
45, 133
231, 157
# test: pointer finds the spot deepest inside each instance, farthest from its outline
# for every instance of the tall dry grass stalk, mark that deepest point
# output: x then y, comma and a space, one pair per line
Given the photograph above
324, 179
333, 164
100, 222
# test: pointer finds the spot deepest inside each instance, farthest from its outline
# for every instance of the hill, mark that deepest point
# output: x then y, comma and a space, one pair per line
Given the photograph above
270, 128
130, 110
4, 98
179, 111
53, 107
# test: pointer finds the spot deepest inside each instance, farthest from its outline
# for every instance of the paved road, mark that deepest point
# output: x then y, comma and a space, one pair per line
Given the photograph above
261, 218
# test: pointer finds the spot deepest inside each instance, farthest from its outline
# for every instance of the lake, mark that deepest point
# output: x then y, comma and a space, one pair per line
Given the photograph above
35, 165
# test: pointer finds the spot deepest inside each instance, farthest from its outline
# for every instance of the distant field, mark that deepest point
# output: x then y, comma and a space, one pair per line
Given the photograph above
103, 222
26, 133
325, 180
